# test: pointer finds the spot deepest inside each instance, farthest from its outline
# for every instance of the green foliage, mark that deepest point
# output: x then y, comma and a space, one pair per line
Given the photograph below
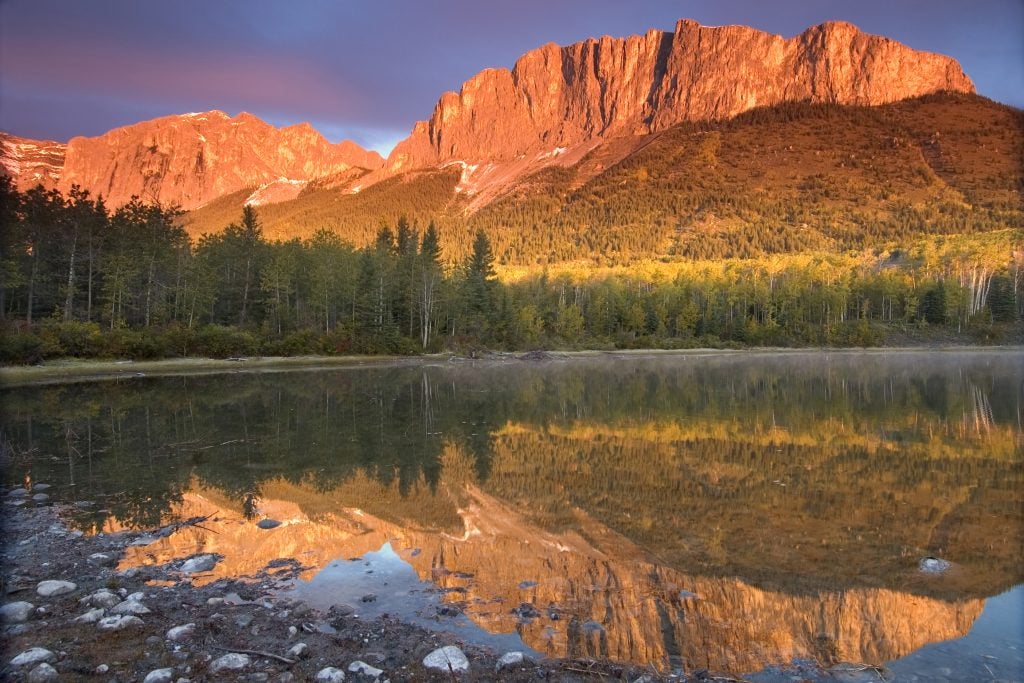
79, 282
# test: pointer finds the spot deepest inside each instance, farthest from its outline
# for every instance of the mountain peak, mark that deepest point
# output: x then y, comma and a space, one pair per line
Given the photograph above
184, 159
560, 97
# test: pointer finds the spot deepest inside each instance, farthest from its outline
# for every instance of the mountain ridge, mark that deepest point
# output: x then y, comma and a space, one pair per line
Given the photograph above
553, 108
557, 97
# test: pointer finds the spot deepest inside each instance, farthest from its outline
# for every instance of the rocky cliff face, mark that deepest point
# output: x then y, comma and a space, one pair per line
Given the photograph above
194, 158
557, 97
31, 162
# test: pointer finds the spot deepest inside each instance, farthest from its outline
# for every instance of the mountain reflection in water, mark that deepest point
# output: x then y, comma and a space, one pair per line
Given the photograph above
727, 511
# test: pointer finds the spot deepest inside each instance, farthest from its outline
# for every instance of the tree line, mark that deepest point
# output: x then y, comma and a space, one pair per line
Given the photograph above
79, 280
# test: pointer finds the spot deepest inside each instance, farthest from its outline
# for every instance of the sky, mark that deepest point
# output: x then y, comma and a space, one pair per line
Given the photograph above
366, 70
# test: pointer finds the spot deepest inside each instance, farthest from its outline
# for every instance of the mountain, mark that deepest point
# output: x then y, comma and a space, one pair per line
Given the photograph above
193, 159
31, 162
790, 177
705, 141
556, 98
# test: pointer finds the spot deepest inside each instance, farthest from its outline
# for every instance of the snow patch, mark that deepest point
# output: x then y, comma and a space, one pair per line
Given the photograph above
281, 189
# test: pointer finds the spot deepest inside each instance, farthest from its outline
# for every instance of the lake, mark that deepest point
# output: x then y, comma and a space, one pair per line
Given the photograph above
731, 511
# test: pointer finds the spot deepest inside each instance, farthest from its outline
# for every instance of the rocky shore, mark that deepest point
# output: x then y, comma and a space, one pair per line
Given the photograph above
70, 614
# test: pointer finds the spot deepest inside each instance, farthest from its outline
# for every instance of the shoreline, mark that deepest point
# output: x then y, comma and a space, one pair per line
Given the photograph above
90, 370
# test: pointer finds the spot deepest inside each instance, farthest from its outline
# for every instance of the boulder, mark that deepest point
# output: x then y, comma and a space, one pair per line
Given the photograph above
363, 669
200, 563
159, 676
330, 674
183, 632
43, 673
232, 661
119, 622
509, 659
16, 612
49, 589
33, 655
448, 658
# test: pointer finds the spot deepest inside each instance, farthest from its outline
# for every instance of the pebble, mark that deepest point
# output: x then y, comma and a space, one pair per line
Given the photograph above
41, 487
43, 673
40, 498
292, 631
233, 661
200, 563
268, 523
298, 651
102, 669
33, 655
447, 658
509, 659
182, 632
159, 676
49, 589
16, 612
17, 493
330, 674
364, 669
119, 622
215, 601
91, 617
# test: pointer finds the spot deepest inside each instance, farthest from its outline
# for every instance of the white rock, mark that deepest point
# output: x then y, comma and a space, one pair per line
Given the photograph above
16, 612
102, 598
33, 655
118, 622
215, 601
298, 651
360, 667
201, 563
102, 669
43, 673
509, 659
91, 617
130, 607
447, 658
137, 596
159, 676
17, 493
329, 674
934, 565
49, 589
101, 559
233, 661
182, 632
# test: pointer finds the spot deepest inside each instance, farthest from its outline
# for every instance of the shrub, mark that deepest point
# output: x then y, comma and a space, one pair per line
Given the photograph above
217, 341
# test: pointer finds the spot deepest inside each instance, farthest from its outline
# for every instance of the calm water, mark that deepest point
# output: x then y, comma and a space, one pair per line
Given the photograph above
734, 512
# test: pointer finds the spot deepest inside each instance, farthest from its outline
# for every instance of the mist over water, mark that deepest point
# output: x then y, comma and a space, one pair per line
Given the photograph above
722, 510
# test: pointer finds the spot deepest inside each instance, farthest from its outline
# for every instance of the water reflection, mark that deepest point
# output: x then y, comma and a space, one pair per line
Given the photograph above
729, 512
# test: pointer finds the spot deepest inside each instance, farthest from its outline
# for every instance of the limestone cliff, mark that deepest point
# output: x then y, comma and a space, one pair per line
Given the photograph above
555, 98
31, 162
194, 158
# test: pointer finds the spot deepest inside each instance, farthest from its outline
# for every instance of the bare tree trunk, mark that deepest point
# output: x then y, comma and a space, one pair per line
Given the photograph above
69, 297
32, 284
